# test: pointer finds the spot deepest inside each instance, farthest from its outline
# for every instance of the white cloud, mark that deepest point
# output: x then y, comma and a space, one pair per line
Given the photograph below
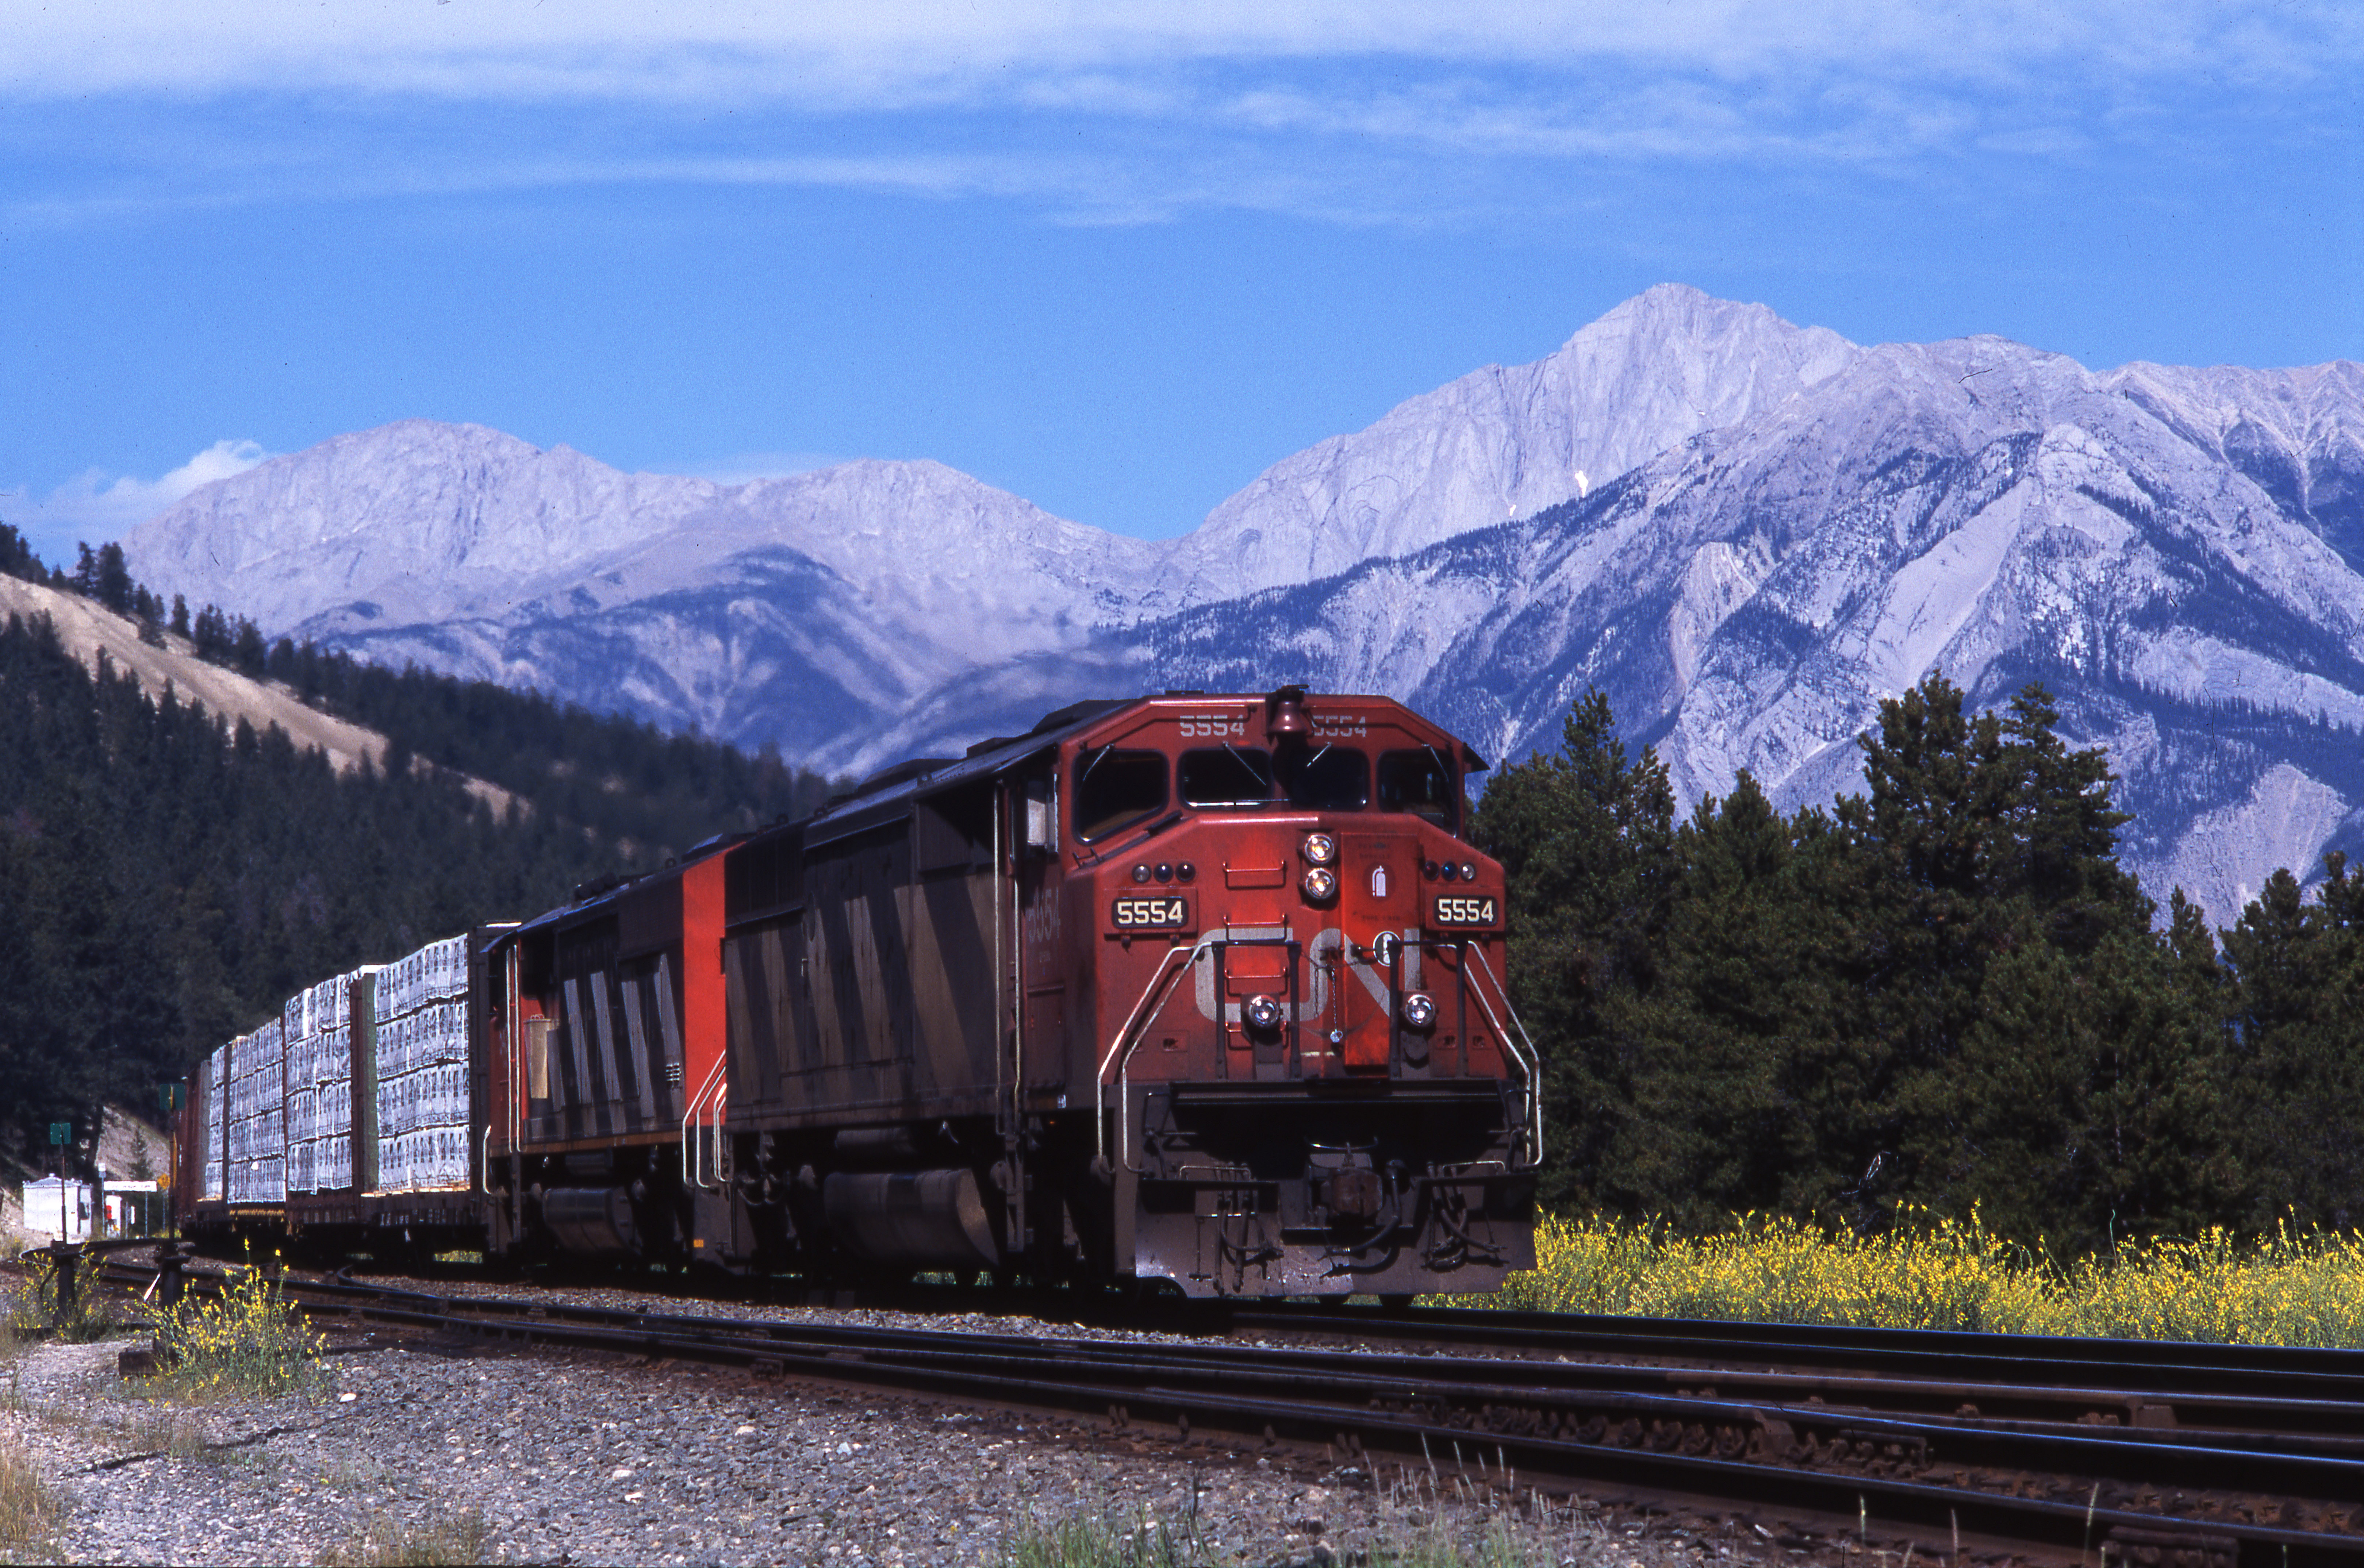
95, 506
940, 52
1360, 111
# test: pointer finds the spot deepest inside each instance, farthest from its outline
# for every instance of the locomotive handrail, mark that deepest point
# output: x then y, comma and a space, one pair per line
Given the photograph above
1531, 1060
1133, 1020
693, 1172
722, 1101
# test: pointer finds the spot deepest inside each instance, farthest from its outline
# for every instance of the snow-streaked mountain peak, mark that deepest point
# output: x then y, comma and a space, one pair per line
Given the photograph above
1747, 532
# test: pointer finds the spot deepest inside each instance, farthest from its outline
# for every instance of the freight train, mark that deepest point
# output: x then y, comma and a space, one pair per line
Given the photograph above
1198, 989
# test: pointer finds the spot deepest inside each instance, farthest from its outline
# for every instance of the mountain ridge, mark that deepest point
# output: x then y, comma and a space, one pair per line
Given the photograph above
1747, 532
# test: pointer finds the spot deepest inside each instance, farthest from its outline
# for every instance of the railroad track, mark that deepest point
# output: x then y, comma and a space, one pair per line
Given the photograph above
2155, 1456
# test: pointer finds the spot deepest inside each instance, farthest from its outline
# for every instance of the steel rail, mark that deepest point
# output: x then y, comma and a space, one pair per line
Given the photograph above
2137, 1365
2280, 1383
2308, 1421
2298, 1402
1344, 1397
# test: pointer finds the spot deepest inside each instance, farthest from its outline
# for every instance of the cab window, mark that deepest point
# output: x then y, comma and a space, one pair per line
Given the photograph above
1225, 775
1326, 778
1420, 782
1116, 789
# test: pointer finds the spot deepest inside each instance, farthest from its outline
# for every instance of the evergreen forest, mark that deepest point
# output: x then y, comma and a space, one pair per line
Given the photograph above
168, 878
1941, 993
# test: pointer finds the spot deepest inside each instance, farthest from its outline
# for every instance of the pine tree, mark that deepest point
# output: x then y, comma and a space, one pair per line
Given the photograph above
2297, 1046
1586, 839
1727, 1050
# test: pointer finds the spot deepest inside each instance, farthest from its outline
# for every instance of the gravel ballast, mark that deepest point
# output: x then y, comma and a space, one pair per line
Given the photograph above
422, 1446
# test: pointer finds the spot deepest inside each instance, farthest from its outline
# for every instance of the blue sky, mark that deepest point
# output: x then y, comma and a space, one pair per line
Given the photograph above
1116, 259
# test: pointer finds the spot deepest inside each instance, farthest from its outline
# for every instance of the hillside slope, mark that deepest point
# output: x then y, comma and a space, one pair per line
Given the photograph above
94, 635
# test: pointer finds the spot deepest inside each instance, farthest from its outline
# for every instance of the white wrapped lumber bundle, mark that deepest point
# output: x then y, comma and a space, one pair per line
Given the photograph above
446, 969
421, 1054
257, 1133
301, 1039
332, 1082
217, 1108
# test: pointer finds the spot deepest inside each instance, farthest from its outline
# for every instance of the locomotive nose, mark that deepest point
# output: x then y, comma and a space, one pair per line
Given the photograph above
1378, 879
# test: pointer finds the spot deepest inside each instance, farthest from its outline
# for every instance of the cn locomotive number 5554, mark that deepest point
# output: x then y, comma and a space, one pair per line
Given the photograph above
1163, 912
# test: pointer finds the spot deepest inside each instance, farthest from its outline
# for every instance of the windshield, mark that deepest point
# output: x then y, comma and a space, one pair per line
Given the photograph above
1418, 781
1116, 789
1311, 778
1225, 775
1326, 778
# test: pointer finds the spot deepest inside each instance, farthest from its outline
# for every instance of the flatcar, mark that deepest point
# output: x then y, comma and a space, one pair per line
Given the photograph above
1196, 992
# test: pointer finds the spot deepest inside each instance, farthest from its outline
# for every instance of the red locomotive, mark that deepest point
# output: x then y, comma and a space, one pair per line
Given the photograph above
1194, 988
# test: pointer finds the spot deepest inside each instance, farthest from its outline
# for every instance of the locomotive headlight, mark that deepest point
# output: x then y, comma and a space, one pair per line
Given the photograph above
1321, 884
1262, 1013
1419, 1010
1320, 849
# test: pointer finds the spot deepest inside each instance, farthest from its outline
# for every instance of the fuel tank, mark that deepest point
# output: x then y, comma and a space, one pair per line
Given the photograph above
918, 1219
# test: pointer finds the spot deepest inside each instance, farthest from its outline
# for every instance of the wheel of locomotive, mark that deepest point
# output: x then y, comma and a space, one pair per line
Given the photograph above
1395, 1301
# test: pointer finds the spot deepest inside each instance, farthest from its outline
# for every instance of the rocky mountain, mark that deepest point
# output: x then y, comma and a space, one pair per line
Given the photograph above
1503, 443
1745, 531
2178, 555
795, 610
810, 609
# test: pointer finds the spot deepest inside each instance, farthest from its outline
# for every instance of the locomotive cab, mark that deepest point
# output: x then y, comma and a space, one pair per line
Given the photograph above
1303, 1072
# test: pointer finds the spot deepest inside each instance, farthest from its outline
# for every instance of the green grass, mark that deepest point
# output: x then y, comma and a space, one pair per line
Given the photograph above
456, 1538
1084, 1539
31, 1510
1426, 1518
35, 1309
